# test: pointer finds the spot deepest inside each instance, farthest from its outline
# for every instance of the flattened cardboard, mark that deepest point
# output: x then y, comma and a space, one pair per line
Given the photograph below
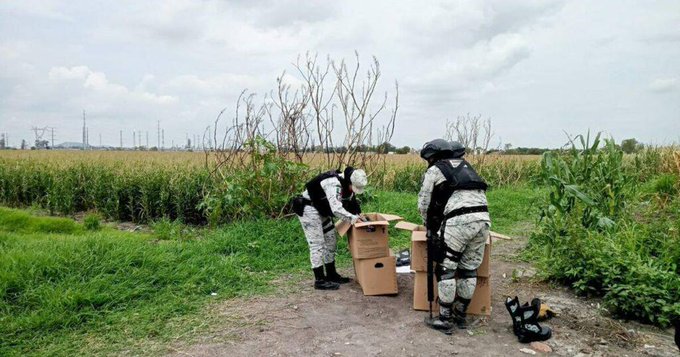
481, 300
377, 276
484, 269
420, 293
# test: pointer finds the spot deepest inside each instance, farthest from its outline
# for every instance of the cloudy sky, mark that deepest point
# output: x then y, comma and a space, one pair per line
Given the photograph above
536, 68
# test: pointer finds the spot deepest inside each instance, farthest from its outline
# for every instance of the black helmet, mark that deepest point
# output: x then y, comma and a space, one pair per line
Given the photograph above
458, 149
437, 148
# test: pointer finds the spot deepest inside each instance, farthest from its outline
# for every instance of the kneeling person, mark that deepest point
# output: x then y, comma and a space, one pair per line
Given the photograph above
452, 201
330, 194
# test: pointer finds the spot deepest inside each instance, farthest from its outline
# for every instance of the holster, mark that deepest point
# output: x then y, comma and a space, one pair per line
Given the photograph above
298, 204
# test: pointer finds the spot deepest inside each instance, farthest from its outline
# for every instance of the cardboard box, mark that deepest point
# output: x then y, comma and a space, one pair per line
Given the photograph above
419, 250
481, 300
420, 293
480, 304
377, 276
418, 245
368, 239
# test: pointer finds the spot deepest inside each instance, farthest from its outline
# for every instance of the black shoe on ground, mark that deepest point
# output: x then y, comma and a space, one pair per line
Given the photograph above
325, 285
529, 329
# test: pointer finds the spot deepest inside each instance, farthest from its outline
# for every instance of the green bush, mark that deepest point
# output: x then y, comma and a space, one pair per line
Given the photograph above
666, 185
598, 234
92, 222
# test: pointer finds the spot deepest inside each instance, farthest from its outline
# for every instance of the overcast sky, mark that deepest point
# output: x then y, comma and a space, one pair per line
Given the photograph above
536, 68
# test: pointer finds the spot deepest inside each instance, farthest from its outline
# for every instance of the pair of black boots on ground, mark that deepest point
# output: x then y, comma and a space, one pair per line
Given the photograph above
329, 281
525, 320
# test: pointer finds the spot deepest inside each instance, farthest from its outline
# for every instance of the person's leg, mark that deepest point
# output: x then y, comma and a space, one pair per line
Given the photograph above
312, 227
466, 274
331, 244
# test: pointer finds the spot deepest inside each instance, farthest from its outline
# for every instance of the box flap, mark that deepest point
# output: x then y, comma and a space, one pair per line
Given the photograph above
342, 227
371, 223
390, 217
409, 226
499, 236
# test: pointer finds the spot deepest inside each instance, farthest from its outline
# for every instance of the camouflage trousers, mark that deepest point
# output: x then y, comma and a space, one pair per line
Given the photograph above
321, 237
459, 279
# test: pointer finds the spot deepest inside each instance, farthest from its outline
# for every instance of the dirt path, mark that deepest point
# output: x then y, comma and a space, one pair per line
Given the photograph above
346, 323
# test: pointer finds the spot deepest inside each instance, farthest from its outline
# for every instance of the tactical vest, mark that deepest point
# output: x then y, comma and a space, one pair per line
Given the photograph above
461, 177
318, 196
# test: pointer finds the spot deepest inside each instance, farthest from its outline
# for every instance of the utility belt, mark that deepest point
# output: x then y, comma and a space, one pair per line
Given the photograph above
464, 210
299, 203
441, 249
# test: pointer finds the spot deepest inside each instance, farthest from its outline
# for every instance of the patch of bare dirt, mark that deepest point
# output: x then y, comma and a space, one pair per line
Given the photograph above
307, 322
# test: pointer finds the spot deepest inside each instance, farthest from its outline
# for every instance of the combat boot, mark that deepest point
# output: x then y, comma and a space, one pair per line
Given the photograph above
320, 282
443, 322
332, 274
529, 329
512, 305
459, 312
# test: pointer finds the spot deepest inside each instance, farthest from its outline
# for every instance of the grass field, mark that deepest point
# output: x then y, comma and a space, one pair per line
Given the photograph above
67, 290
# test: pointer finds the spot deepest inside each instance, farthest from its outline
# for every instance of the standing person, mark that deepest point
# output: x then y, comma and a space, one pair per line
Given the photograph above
330, 194
452, 202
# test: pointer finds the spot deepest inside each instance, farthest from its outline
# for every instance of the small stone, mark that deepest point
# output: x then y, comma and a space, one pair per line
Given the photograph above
527, 351
295, 307
603, 341
540, 347
587, 350
649, 346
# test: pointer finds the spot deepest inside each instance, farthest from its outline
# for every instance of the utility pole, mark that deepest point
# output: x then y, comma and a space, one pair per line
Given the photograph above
84, 131
158, 134
163, 139
147, 140
134, 140
121, 140
87, 138
52, 129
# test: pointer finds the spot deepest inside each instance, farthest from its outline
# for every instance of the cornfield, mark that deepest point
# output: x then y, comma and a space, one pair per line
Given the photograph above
144, 186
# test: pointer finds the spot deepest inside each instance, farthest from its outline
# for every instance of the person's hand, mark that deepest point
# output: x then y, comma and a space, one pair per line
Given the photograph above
359, 219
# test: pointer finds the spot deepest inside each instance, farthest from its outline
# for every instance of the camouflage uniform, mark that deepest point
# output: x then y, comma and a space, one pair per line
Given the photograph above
465, 233
320, 231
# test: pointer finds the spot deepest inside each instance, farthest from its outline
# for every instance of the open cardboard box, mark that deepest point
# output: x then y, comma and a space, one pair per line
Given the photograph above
419, 249
481, 300
368, 239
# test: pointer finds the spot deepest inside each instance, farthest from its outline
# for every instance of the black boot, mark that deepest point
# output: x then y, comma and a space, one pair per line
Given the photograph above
459, 312
529, 329
513, 308
320, 282
443, 322
332, 275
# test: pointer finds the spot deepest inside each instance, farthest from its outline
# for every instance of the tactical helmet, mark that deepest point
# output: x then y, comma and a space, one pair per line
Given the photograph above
437, 148
458, 149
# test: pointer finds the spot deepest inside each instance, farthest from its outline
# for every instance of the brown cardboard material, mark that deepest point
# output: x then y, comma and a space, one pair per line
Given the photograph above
377, 276
419, 249
368, 239
420, 293
481, 300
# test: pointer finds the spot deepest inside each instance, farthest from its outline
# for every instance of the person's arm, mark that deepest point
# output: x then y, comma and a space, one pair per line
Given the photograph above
333, 189
425, 194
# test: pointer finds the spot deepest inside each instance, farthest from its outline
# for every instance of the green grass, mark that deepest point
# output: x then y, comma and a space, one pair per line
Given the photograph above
66, 290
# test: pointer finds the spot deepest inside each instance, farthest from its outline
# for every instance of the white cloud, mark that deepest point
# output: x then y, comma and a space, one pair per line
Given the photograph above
662, 85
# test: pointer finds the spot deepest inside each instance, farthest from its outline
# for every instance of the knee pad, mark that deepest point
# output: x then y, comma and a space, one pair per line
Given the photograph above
465, 288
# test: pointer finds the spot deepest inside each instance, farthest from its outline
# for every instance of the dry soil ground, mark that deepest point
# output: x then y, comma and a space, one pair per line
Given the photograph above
306, 322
